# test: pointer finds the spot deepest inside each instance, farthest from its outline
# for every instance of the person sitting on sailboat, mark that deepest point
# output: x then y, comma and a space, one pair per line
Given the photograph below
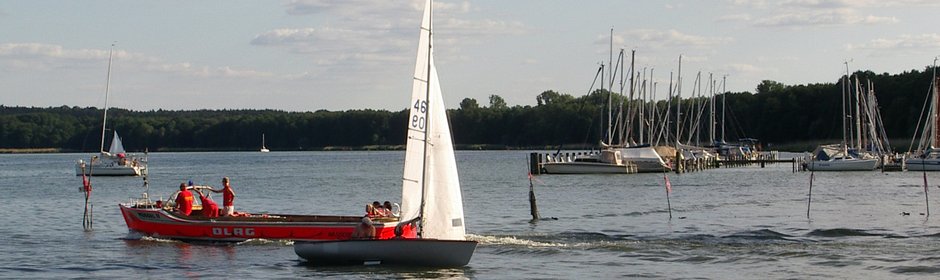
388, 208
365, 229
379, 210
370, 210
184, 201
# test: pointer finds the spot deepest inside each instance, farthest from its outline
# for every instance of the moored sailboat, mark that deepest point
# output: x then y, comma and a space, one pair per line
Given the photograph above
927, 155
841, 157
115, 161
431, 196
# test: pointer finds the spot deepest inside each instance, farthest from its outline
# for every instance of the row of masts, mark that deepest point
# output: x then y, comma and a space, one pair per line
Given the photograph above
635, 117
863, 129
930, 138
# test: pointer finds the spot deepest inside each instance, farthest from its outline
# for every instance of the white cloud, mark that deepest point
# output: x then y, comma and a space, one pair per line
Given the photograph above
924, 42
734, 18
478, 28
823, 18
830, 4
672, 38
49, 57
367, 33
802, 13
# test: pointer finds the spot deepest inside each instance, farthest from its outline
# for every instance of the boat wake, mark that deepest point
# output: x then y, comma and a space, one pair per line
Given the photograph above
265, 242
513, 241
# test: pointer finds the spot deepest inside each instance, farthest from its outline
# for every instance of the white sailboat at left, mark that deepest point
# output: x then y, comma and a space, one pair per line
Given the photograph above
115, 161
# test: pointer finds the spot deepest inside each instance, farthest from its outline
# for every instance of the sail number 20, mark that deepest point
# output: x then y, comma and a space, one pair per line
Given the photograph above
419, 111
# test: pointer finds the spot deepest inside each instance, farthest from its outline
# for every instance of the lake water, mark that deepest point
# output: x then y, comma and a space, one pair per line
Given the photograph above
729, 223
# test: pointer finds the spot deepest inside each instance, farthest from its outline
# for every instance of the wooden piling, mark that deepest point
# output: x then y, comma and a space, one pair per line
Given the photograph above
534, 163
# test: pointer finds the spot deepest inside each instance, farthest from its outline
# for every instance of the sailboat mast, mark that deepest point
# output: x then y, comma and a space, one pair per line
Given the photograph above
724, 95
711, 109
858, 114
427, 123
107, 91
845, 131
679, 104
935, 122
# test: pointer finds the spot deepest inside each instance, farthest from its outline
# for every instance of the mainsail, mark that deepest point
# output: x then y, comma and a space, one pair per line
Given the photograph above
430, 187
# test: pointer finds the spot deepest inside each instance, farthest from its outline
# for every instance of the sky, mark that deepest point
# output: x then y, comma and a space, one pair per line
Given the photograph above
308, 55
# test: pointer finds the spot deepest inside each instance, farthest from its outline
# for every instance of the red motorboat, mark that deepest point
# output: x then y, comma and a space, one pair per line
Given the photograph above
157, 220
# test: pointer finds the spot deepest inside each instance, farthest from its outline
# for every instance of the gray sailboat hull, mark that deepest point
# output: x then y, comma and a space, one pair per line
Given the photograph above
411, 252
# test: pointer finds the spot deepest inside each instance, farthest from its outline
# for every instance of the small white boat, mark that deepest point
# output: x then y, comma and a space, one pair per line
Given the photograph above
842, 164
835, 157
115, 161
606, 162
430, 187
645, 158
263, 148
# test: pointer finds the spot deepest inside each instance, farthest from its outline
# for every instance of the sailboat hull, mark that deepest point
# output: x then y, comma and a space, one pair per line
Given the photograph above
842, 165
110, 169
917, 164
417, 252
575, 167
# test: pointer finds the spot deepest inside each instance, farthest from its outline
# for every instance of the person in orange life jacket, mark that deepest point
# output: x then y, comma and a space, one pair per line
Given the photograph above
209, 208
184, 201
228, 197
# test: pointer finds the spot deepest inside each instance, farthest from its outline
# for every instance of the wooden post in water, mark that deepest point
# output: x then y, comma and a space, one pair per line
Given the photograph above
810, 199
533, 207
534, 164
926, 198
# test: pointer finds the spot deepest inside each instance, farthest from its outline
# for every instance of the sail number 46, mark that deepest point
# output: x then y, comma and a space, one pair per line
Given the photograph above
418, 114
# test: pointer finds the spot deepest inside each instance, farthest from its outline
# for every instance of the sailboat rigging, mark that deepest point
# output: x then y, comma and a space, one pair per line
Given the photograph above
114, 161
431, 195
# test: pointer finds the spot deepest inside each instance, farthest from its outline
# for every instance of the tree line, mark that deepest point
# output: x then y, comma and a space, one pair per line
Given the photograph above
773, 113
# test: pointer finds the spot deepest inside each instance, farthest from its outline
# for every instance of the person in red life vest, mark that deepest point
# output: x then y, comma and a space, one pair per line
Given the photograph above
184, 201
209, 208
228, 197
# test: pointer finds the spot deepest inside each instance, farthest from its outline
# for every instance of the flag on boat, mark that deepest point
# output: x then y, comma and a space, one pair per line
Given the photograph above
668, 185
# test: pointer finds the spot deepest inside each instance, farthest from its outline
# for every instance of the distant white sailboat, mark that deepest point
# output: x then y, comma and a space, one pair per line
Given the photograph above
263, 148
115, 161
430, 188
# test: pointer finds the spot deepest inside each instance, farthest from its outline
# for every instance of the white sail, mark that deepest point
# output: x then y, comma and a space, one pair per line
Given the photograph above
430, 166
116, 146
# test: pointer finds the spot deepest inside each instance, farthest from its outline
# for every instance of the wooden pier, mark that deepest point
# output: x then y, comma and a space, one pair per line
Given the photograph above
684, 165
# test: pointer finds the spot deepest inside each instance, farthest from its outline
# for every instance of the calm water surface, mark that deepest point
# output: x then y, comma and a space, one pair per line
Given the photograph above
736, 223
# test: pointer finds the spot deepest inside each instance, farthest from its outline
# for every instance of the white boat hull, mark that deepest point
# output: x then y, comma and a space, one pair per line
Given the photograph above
417, 252
917, 164
111, 170
650, 166
842, 165
646, 159
575, 167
